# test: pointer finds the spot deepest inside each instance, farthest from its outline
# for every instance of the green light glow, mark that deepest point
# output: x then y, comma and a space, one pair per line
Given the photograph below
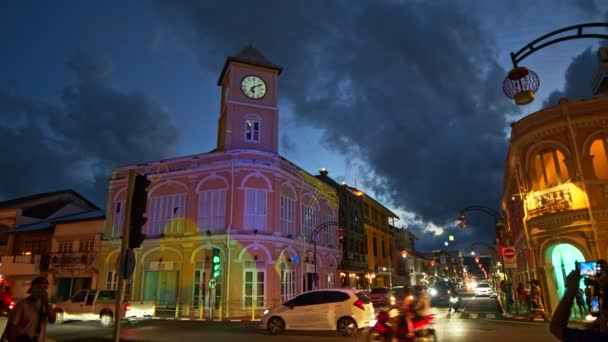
563, 259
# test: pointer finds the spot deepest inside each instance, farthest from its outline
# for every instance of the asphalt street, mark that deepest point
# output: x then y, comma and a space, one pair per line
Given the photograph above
478, 321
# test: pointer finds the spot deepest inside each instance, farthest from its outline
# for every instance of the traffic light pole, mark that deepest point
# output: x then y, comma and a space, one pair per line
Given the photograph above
120, 268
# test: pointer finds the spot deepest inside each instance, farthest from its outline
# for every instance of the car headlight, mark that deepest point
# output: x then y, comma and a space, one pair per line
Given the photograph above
433, 292
266, 312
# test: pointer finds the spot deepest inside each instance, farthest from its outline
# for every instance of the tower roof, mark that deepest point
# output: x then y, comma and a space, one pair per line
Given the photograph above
249, 55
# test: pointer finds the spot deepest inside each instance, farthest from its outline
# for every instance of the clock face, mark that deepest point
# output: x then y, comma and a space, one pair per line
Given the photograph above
253, 87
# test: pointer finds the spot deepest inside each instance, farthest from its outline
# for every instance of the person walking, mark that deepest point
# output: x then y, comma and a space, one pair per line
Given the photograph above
521, 295
538, 309
27, 321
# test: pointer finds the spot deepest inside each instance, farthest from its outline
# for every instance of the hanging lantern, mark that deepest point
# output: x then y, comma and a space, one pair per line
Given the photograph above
432, 262
447, 267
520, 85
404, 253
476, 259
462, 221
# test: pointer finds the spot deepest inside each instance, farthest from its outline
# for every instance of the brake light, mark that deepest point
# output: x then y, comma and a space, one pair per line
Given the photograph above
127, 307
359, 304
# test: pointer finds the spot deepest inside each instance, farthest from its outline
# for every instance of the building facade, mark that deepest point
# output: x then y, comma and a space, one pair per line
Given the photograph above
354, 262
56, 235
380, 241
229, 232
555, 192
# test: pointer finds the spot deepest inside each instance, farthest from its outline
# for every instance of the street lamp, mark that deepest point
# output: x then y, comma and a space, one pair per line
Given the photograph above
521, 83
313, 239
498, 223
405, 269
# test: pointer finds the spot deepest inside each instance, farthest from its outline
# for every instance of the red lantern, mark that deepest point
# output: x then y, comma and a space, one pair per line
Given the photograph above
476, 259
446, 268
432, 262
520, 85
404, 253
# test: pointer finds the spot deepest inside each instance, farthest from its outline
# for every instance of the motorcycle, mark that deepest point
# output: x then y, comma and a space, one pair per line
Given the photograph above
454, 303
380, 330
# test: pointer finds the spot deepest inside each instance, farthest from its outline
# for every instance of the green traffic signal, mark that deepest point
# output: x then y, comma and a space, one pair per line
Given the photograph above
216, 259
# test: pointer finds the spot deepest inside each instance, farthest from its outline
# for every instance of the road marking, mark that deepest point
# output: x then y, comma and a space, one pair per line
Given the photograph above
490, 315
474, 315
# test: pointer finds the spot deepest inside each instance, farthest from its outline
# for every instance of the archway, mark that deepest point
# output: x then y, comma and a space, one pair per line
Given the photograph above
563, 258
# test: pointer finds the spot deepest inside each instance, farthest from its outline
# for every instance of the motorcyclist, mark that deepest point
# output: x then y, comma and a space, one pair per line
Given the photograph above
422, 302
454, 294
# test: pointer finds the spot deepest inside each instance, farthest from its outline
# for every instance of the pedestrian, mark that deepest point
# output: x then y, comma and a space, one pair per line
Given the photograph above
588, 297
27, 320
521, 295
580, 302
538, 309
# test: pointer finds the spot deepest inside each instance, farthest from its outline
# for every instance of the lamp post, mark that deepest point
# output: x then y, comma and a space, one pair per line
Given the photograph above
405, 269
313, 239
500, 233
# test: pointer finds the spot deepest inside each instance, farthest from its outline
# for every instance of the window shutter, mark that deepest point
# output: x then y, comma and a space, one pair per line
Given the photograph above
221, 203
249, 208
261, 210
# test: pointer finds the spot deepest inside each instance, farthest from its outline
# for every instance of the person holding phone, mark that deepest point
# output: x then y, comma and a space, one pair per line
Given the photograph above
559, 322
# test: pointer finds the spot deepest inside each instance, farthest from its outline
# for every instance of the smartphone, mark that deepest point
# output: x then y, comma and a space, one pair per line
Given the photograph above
595, 305
588, 268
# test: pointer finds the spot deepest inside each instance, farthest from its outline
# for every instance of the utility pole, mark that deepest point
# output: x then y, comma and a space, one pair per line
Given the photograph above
120, 264
132, 237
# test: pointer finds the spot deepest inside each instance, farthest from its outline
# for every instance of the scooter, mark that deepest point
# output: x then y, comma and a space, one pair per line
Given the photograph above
380, 330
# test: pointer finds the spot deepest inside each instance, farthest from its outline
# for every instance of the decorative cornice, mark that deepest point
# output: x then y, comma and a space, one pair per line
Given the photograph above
550, 221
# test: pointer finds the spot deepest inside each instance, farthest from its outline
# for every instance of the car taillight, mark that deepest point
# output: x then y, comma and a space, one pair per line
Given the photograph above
359, 304
127, 307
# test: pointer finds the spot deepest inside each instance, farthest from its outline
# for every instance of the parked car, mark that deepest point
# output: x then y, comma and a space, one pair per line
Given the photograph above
382, 296
99, 305
343, 310
483, 289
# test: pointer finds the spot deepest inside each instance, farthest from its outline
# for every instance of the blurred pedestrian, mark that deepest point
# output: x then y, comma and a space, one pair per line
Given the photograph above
27, 320
580, 302
538, 309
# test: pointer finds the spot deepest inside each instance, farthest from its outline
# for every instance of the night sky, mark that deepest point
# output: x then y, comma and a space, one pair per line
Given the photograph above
402, 99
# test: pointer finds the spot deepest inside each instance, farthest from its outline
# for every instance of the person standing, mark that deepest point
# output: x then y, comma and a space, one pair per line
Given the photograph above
580, 302
537, 301
27, 321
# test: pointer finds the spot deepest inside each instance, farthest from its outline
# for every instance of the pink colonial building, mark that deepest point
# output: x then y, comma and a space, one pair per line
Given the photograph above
241, 205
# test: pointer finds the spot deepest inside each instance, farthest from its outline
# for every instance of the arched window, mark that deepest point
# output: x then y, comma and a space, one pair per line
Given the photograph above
599, 152
550, 168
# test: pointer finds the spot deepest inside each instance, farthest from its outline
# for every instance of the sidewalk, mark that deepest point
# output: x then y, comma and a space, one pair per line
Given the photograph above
522, 314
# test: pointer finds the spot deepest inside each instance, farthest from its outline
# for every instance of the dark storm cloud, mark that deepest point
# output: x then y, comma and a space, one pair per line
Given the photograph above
95, 128
412, 89
579, 76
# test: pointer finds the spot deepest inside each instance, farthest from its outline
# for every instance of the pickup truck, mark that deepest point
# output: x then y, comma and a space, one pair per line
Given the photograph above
99, 305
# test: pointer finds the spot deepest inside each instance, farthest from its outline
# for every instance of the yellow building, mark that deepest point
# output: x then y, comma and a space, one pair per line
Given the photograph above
380, 241
555, 192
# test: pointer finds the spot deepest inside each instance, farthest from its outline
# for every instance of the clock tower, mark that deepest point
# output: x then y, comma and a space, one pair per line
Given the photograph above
249, 112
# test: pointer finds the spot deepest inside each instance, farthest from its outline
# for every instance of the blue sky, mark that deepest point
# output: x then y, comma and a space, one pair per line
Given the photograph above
400, 98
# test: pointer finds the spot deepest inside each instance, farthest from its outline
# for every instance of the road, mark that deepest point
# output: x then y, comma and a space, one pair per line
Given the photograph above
478, 322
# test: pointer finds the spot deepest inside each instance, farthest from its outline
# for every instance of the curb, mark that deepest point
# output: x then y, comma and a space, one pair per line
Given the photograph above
242, 320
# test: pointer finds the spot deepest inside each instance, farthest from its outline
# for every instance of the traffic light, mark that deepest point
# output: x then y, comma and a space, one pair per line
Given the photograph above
139, 203
216, 263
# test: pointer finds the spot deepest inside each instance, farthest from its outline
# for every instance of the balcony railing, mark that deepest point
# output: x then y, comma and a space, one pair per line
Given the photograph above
75, 259
551, 202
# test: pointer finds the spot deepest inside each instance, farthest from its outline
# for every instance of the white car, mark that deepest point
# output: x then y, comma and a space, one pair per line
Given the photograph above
483, 289
343, 310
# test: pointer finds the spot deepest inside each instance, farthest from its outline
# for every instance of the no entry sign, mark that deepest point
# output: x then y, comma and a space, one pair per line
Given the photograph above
509, 257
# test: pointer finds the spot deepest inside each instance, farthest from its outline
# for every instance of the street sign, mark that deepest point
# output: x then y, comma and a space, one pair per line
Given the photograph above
509, 257
212, 283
